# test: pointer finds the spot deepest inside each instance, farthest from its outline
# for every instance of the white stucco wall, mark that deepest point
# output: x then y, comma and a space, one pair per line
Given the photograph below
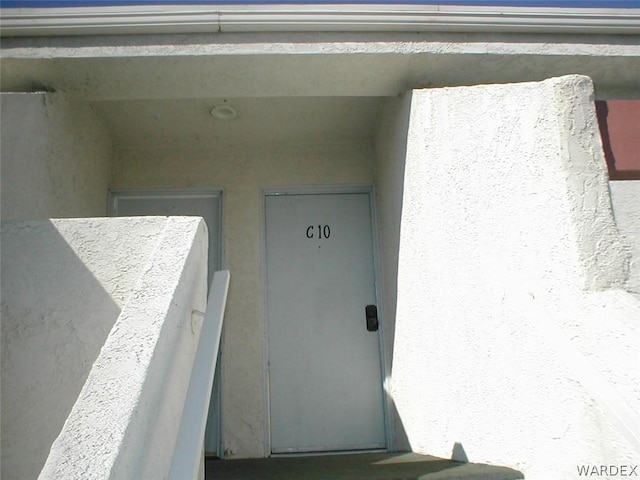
243, 171
63, 285
125, 419
625, 197
509, 272
56, 157
390, 154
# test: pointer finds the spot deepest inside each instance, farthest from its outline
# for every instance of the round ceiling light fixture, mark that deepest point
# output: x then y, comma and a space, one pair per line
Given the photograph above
224, 112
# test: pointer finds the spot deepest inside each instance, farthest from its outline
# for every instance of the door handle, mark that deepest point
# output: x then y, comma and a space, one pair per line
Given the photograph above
371, 313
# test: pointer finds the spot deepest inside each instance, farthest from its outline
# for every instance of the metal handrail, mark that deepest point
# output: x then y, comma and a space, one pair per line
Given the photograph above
187, 455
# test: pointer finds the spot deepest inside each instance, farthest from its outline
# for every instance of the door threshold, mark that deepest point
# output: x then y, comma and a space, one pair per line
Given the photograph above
328, 452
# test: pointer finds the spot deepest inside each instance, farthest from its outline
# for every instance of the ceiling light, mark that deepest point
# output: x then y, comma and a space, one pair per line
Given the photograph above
224, 112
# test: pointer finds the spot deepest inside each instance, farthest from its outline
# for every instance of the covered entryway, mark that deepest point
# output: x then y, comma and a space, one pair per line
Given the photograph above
313, 108
324, 352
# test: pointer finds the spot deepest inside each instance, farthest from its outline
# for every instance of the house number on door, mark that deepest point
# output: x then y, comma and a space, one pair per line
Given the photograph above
318, 231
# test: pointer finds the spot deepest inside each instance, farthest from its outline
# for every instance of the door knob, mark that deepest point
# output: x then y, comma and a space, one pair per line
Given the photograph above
371, 313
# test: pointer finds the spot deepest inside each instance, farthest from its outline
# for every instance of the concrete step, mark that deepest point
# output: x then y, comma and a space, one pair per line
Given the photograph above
361, 466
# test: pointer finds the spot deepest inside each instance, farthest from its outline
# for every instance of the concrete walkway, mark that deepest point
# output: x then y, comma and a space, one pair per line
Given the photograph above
363, 466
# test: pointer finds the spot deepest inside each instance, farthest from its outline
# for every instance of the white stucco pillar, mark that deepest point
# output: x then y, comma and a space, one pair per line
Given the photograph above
506, 231
56, 157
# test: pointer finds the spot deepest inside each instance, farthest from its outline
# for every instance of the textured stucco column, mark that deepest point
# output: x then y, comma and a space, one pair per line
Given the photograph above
506, 236
56, 157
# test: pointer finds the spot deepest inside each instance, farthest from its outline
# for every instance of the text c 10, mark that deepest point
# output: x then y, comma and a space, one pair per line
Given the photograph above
318, 231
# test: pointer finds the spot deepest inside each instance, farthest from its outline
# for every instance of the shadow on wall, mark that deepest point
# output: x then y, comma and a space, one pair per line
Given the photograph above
458, 454
390, 152
55, 318
400, 439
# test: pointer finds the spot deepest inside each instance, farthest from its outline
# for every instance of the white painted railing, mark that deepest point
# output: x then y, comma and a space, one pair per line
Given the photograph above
187, 456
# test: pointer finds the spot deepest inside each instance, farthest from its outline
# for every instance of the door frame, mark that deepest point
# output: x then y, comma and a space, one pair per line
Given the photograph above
322, 190
112, 197
151, 193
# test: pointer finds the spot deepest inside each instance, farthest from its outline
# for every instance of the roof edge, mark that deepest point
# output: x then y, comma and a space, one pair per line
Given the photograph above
21, 22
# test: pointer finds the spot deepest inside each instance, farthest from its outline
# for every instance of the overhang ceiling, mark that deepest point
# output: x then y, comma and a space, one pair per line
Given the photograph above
178, 123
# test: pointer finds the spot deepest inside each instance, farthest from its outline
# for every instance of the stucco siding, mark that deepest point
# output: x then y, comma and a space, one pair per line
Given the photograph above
64, 283
56, 157
513, 336
126, 419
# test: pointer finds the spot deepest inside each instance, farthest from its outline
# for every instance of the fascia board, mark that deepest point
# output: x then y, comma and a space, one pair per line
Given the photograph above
326, 18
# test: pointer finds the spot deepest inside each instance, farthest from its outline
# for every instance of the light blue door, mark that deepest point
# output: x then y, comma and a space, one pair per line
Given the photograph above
325, 378
205, 204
